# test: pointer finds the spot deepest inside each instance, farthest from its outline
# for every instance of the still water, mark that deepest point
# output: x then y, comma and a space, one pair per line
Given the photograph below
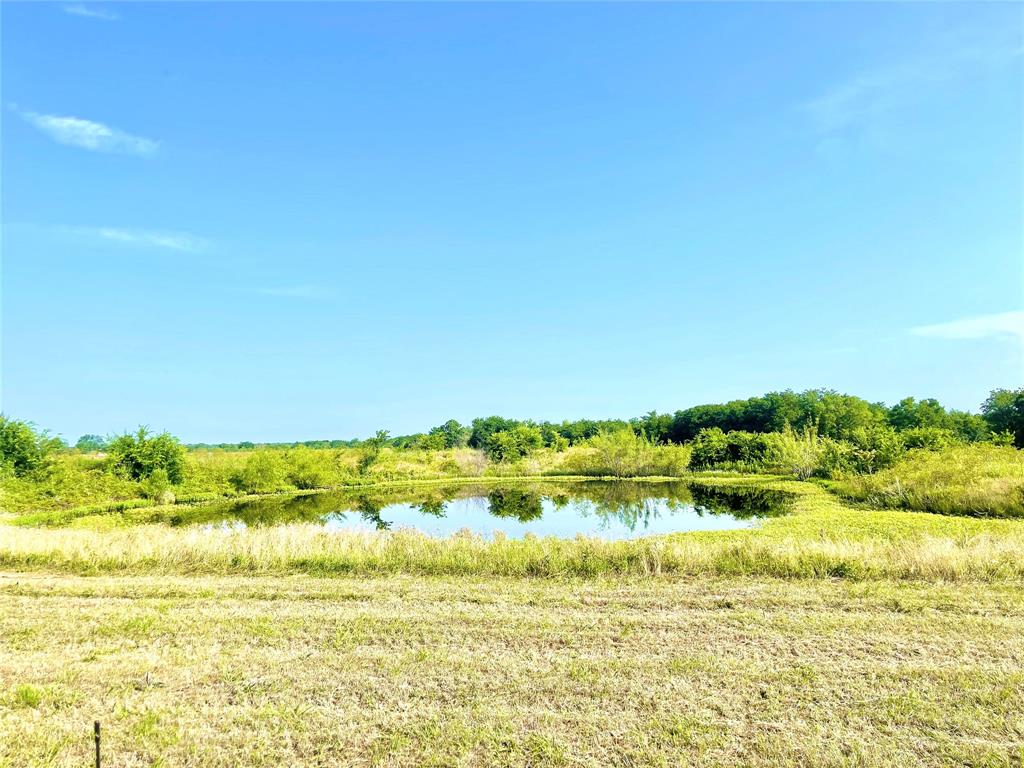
605, 509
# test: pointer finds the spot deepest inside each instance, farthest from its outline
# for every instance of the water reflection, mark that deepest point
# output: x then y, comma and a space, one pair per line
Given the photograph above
601, 508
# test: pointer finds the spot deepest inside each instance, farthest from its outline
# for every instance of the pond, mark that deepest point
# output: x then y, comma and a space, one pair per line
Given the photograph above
605, 509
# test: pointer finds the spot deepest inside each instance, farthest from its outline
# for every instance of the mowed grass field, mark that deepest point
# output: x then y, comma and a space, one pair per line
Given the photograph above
401, 670
831, 636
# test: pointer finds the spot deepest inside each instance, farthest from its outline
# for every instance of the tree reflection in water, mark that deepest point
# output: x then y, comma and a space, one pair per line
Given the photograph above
515, 503
634, 505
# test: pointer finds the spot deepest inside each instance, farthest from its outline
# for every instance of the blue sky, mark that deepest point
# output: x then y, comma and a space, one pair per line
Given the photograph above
274, 222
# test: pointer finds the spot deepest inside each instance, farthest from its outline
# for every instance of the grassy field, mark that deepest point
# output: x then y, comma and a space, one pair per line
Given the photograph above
961, 480
835, 635
821, 538
304, 671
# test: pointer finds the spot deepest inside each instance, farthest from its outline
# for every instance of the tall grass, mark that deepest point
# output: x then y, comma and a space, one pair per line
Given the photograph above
626, 454
821, 539
979, 479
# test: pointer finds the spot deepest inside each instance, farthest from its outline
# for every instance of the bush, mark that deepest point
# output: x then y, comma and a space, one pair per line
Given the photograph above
876, 448
710, 449
23, 450
929, 438
305, 469
158, 487
138, 456
715, 449
262, 472
797, 453
513, 444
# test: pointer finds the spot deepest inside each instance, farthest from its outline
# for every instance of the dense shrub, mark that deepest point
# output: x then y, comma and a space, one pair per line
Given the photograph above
512, 444
263, 472
806, 453
306, 468
929, 438
23, 449
623, 453
158, 487
140, 455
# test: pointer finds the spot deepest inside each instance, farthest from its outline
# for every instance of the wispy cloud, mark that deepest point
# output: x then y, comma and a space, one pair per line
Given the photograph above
174, 241
77, 9
293, 291
87, 134
865, 96
999, 325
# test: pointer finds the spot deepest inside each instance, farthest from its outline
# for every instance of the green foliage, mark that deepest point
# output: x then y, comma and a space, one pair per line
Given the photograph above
980, 479
451, 434
519, 504
1003, 439
929, 438
306, 468
372, 447
263, 472
512, 444
829, 413
91, 443
158, 487
1003, 410
138, 456
482, 429
876, 448
434, 441
656, 427
623, 453
805, 453
23, 449
909, 413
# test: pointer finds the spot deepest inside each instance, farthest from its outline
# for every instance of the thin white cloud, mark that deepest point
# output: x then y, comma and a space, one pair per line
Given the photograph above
87, 134
864, 97
77, 9
999, 325
175, 241
293, 291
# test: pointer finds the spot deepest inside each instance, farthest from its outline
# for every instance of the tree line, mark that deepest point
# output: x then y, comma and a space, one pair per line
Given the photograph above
827, 413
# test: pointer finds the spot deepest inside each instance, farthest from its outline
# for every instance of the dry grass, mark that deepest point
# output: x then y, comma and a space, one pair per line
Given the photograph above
299, 671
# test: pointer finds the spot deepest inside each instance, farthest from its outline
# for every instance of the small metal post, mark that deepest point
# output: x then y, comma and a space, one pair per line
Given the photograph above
96, 732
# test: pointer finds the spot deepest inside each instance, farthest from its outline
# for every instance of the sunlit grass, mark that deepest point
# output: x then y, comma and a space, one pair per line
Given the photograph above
821, 538
213, 671
982, 479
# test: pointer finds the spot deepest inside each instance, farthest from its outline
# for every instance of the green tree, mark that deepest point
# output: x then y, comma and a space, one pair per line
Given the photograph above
91, 443
910, 414
513, 444
454, 434
372, 447
24, 449
483, 428
139, 455
1003, 409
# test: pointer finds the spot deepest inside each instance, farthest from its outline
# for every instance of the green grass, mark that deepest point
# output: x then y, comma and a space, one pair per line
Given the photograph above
836, 635
822, 537
214, 671
982, 480
978, 480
